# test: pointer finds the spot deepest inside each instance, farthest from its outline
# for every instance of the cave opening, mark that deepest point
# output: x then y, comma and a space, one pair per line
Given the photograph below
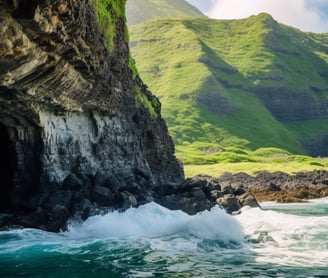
7, 167
25, 9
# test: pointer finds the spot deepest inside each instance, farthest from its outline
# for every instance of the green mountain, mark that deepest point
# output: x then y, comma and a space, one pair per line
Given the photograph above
138, 11
236, 84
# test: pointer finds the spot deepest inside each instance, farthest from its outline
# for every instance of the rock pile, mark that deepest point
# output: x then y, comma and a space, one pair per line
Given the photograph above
202, 193
281, 187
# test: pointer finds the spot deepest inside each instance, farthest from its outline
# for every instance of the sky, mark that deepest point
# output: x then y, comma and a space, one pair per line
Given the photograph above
307, 15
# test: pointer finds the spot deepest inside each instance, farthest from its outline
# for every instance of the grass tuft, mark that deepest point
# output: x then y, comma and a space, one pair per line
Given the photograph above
108, 12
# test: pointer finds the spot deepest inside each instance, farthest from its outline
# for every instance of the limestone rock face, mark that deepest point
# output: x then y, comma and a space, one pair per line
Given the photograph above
71, 122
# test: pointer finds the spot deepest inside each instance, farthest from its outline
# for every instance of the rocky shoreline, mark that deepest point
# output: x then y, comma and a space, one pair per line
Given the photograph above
80, 198
81, 134
234, 191
230, 191
281, 187
79, 130
204, 192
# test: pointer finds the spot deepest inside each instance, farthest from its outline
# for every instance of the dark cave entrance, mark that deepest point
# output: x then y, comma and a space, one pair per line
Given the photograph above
24, 9
7, 166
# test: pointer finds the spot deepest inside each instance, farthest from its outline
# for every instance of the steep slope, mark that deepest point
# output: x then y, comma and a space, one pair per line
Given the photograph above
78, 129
247, 83
138, 11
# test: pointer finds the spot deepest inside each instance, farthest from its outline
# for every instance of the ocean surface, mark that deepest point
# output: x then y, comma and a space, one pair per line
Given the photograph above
151, 241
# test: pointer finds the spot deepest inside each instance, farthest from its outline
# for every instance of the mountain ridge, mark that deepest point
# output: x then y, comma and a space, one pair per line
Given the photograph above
138, 11
242, 65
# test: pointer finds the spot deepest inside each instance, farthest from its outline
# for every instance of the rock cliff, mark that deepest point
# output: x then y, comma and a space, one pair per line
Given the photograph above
78, 130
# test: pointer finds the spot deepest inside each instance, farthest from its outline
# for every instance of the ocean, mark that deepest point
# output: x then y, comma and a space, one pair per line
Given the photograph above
281, 240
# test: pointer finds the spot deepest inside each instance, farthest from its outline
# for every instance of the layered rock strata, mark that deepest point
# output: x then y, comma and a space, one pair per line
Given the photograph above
79, 131
76, 129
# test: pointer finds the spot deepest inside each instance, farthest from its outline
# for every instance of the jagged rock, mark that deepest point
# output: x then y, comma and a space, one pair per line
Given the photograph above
72, 182
227, 189
229, 203
247, 199
71, 124
281, 187
129, 200
189, 204
57, 218
204, 192
75, 137
215, 194
238, 189
103, 195
198, 194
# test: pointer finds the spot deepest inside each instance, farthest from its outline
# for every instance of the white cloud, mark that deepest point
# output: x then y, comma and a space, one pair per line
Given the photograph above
308, 15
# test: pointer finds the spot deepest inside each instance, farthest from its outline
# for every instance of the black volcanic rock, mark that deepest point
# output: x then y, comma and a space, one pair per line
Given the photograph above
279, 186
204, 192
73, 134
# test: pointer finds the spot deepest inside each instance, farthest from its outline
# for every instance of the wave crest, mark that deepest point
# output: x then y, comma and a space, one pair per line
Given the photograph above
153, 220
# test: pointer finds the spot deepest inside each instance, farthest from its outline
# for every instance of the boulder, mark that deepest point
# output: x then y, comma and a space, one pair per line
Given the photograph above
72, 182
247, 199
229, 203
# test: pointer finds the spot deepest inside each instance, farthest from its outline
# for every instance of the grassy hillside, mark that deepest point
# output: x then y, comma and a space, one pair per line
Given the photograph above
141, 10
231, 85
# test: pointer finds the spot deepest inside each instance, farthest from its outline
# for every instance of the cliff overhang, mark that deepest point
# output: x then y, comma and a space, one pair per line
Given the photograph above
73, 136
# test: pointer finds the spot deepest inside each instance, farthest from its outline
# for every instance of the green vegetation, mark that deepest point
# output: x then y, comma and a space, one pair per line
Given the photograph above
150, 104
212, 78
219, 161
308, 130
251, 168
141, 10
108, 12
133, 68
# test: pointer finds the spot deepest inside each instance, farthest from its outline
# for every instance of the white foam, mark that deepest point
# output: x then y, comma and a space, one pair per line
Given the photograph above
320, 200
286, 239
273, 237
153, 220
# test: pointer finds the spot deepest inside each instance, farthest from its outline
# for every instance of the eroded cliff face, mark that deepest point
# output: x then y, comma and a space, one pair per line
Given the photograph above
74, 132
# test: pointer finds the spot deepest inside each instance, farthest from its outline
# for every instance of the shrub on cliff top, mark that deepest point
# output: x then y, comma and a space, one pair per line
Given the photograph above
108, 12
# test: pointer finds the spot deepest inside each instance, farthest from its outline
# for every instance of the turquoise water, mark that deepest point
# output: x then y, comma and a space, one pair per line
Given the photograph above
151, 241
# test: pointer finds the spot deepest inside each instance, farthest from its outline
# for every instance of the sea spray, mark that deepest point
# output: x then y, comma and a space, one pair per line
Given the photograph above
153, 220
286, 238
151, 241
